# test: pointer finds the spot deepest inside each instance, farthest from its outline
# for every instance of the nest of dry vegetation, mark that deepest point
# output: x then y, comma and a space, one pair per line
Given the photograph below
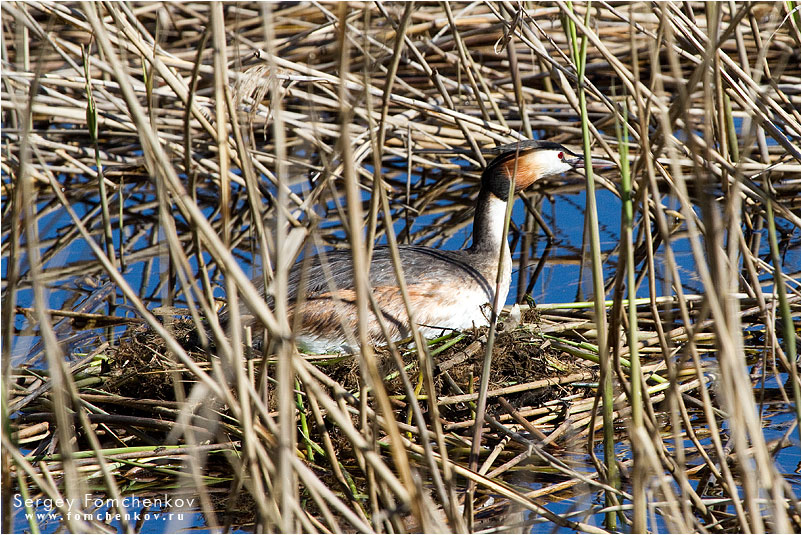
152, 149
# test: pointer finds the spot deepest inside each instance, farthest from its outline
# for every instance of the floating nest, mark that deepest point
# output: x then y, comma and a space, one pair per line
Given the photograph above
142, 366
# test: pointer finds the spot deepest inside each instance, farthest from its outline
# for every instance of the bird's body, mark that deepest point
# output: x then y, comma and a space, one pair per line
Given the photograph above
447, 289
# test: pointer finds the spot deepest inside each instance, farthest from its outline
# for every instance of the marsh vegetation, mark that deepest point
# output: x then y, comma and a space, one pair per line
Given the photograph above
159, 155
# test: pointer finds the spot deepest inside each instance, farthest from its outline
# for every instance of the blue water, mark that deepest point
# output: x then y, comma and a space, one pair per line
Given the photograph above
559, 282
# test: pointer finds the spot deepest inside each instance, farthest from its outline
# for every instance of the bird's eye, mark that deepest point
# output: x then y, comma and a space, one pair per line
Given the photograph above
561, 156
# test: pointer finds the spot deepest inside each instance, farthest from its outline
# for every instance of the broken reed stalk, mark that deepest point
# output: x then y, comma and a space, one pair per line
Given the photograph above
217, 129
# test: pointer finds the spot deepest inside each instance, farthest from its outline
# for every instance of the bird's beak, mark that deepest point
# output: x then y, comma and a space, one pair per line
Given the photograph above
596, 163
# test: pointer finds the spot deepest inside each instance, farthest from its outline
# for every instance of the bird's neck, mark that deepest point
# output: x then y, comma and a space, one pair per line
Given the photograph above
488, 224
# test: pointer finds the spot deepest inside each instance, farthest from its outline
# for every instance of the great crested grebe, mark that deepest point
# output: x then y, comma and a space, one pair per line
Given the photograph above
447, 289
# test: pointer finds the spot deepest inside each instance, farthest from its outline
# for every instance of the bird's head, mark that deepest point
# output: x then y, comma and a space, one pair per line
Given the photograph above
528, 161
